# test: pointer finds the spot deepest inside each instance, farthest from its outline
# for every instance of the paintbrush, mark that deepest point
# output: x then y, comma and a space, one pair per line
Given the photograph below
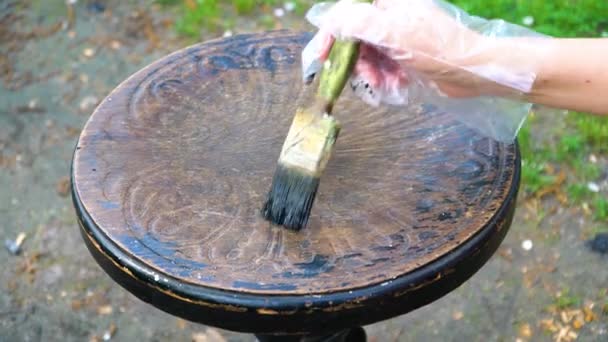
309, 144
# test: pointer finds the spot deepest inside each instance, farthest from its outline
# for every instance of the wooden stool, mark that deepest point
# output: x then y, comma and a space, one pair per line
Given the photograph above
172, 169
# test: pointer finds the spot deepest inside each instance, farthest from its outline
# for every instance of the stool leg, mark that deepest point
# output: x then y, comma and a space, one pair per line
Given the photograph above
349, 335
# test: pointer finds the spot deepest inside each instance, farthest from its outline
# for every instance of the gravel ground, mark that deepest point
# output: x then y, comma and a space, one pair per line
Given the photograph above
545, 284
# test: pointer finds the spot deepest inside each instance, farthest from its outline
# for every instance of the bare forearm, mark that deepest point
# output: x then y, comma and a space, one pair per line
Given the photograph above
573, 74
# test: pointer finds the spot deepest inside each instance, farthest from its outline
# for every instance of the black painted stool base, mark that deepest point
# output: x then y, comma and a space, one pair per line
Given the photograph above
350, 335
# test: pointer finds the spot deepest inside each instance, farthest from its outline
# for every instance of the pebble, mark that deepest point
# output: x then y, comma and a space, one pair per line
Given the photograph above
289, 6
96, 7
88, 102
527, 245
104, 310
88, 52
115, 45
528, 20
279, 12
109, 333
33, 104
593, 158
593, 187
599, 243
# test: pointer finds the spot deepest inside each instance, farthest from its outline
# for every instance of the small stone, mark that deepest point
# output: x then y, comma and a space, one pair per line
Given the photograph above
457, 315
88, 102
527, 245
289, 6
72, 34
279, 12
599, 243
63, 294
593, 158
528, 20
115, 45
96, 7
227, 33
88, 52
593, 187
33, 104
109, 333
104, 310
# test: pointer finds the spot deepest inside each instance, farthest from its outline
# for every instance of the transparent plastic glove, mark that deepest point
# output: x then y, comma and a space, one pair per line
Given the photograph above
429, 51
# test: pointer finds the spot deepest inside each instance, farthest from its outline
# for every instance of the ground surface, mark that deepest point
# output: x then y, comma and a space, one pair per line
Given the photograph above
555, 288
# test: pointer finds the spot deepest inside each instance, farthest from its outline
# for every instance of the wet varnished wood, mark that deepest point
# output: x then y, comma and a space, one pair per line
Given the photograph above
172, 168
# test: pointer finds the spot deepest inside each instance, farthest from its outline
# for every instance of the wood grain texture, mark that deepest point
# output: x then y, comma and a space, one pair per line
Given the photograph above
172, 169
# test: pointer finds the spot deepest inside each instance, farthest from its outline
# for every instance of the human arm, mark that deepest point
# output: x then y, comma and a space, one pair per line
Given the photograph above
574, 76
449, 48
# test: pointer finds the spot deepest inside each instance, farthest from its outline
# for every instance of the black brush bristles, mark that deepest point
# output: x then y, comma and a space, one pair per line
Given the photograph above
291, 197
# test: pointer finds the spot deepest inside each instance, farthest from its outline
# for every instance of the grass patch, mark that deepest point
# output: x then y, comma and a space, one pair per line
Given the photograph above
593, 130
194, 16
560, 18
566, 300
600, 208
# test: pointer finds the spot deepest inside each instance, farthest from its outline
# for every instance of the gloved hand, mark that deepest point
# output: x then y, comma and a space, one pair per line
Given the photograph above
428, 50
431, 52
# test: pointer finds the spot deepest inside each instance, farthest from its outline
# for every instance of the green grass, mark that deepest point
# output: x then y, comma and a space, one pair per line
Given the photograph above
214, 15
560, 18
600, 205
566, 300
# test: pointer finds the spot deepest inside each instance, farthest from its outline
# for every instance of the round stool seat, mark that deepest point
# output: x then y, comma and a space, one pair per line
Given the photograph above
172, 169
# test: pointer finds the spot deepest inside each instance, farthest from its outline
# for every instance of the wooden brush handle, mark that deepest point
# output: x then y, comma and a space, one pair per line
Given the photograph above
337, 70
